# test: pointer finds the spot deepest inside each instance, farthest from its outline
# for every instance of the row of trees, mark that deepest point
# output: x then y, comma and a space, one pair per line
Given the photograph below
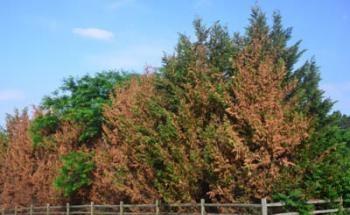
226, 118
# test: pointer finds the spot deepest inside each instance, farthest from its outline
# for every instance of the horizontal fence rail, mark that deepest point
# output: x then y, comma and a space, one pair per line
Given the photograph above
201, 208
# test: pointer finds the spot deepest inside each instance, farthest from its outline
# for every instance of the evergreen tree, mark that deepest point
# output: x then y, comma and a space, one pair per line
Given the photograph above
17, 169
269, 127
198, 132
321, 161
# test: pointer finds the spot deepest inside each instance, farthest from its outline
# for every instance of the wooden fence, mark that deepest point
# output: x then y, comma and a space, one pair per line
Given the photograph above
202, 208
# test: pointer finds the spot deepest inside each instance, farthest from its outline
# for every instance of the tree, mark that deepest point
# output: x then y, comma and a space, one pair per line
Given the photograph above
18, 166
207, 128
122, 172
269, 126
79, 101
321, 161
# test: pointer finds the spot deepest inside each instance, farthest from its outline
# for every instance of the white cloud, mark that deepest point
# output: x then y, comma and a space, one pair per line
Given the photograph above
129, 58
94, 33
10, 95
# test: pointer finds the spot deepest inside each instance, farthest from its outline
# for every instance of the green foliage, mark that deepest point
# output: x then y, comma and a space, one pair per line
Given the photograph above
3, 135
75, 172
3, 142
327, 164
323, 171
295, 202
312, 101
42, 127
344, 121
79, 101
192, 89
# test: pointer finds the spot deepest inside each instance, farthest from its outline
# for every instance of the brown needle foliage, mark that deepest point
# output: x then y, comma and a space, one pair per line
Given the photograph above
178, 155
47, 162
120, 174
27, 172
18, 166
268, 124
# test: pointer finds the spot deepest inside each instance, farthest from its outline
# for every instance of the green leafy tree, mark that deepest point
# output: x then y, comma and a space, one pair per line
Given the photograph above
75, 173
71, 120
78, 101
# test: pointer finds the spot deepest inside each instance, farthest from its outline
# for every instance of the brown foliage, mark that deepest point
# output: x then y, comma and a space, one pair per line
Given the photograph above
27, 173
152, 152
47, 164
119, 173
18, 165
47, 161
268, 124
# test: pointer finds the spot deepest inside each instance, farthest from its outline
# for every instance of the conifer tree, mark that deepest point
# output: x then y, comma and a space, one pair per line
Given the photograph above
269, 125
192, 128
18, 166
121, 170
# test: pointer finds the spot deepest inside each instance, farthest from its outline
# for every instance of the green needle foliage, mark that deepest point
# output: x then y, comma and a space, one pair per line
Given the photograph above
3, 144
3, 137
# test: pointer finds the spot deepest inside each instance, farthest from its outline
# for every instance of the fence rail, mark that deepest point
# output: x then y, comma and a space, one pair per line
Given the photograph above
202, 208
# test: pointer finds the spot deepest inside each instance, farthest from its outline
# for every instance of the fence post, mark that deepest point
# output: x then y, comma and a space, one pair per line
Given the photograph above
15, 210
263, 206
31, 209
67, 208
341, 204
3, 211
92, 208
121, 208
202, 207
47, 209
157, 207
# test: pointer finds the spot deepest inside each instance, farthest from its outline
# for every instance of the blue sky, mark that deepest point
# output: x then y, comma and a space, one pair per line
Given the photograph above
41, 41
